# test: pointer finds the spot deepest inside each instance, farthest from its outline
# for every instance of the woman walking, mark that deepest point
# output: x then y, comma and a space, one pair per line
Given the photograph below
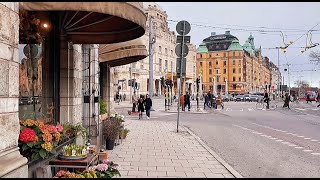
140, 107
286, 101
148, 104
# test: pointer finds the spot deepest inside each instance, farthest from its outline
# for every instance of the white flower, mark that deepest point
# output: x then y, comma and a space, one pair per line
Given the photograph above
122, 117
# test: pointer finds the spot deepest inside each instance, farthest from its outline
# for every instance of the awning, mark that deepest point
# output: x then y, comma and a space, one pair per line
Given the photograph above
95, 22
122, 53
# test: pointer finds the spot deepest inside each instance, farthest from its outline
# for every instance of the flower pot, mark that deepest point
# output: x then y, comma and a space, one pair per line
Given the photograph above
110, 144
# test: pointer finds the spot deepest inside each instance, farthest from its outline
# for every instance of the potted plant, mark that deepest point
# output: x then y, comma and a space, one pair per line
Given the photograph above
124, 133
103, 109
110, 131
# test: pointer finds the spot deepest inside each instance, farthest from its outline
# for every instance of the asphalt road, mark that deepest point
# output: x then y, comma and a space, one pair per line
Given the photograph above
259, 143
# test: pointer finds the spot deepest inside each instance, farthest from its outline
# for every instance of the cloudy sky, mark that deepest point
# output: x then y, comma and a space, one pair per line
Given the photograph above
292, 19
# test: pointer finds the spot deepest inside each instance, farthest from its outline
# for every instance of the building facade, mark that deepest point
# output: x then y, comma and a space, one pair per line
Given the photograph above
164, 59
224, 66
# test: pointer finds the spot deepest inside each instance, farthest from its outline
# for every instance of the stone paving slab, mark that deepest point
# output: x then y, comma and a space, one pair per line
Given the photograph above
154, 149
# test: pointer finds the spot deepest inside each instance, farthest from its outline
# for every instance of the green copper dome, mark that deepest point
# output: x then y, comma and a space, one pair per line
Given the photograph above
202, 48
235, 46
248, 47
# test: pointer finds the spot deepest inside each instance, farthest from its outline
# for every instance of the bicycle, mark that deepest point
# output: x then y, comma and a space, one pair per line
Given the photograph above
262, 105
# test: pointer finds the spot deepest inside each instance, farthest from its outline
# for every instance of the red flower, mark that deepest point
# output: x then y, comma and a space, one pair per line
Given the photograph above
28, 135
59, 128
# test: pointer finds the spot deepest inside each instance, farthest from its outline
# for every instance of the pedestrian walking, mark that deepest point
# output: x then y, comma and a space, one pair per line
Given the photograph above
140, 107
148, 105
118, 97
134, 102
206, 101
187, 101
210, 99
286, 101
308, 98
219, 101
266, 98
318, 98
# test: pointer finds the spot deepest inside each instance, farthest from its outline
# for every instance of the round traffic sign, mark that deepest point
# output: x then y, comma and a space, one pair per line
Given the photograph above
183, 28
33, 50
179, 50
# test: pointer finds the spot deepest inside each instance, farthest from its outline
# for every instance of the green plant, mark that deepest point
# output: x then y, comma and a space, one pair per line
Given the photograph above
124, 132
71, 130
103, 106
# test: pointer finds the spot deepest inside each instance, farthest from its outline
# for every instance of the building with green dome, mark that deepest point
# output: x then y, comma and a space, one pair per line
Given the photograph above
226, 66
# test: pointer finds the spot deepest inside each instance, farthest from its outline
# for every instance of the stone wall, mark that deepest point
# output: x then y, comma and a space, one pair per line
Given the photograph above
71, 83
11, 162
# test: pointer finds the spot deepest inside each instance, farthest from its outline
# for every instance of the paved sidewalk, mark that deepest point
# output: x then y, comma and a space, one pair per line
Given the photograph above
154, 149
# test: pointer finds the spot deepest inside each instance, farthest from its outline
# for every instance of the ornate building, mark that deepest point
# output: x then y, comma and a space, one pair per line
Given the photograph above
164, 58
226, 66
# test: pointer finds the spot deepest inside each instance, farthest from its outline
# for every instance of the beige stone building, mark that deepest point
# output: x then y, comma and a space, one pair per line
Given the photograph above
164, 58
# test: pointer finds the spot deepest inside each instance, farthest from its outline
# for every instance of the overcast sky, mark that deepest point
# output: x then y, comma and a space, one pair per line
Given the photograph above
293, 19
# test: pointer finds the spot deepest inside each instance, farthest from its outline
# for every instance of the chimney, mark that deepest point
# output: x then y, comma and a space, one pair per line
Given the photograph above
227, 33
213, 33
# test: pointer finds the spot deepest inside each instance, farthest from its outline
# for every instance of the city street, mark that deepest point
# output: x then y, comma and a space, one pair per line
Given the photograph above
257, 143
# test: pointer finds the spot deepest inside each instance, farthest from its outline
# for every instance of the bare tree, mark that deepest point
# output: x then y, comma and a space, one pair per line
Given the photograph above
302, 84
315, 56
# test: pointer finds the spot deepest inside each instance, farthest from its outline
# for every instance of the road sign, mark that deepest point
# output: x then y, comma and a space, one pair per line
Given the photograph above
186, 39
183, 27
34, 49
184, 67
185, 50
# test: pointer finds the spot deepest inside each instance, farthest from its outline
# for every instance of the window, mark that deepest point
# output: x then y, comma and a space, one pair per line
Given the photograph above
166, 50
211, 87
224, 54
239, 70
218, 78
224, 46
217, 54
209, 55
201, 64
200, 55
234, 62
234, 78
210, 64
224, 63
239, 78
160, 65
224, 79
224, 71
234, 70
217, 62
239, 62
160, 49
239, 53
171, 53
210, 71
141, 66
210, 79
234, 86
234, 54
217, 71
166, 64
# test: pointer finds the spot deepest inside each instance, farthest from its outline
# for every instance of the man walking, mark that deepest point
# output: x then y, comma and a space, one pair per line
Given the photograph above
266, 98
187, 101
286, 101
206, 100
308, 98
148, 104
210, 99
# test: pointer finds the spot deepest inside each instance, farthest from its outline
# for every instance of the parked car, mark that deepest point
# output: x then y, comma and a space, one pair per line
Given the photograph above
239, 98
225, 98
254, 98
246, 97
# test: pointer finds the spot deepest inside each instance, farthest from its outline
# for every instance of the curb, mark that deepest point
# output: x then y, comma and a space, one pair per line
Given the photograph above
184, 112
215, 155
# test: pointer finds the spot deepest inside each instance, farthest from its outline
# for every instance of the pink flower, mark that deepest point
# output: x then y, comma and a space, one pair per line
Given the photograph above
102, 167
59, 127
115, 167
92, 168
105, 161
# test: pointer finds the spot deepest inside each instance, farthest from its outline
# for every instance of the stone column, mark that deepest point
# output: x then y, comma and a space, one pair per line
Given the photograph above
70, 83
12, 164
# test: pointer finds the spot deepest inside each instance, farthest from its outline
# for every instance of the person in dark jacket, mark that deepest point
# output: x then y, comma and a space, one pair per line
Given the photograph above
206, 101
308, 98
286, 101
266, 98
187, 100
210, 99
140, 107
148, 105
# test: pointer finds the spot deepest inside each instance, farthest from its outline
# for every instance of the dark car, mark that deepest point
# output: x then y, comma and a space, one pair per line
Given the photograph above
239, 98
